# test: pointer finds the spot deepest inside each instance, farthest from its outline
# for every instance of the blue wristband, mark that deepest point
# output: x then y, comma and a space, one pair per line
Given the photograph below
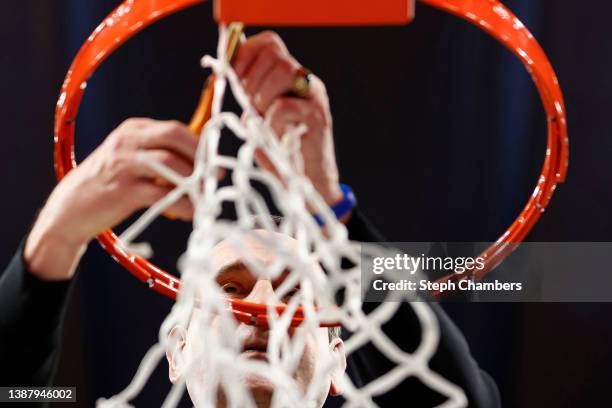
343, 207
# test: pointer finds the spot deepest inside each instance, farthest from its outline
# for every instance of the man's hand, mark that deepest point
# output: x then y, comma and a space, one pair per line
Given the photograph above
268, 72
114, 181
105, 189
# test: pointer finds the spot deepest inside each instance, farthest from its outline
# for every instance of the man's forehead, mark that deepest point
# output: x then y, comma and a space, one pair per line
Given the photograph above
259, 244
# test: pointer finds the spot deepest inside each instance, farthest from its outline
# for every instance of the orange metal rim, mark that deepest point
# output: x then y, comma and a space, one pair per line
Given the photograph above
491, 16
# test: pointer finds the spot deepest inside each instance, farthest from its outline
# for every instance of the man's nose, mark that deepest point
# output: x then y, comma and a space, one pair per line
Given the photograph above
262, 292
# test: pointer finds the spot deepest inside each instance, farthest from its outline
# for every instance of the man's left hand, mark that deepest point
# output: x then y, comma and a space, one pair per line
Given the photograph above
268, 72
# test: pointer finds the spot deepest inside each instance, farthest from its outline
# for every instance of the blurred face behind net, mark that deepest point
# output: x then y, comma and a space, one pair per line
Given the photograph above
238, 282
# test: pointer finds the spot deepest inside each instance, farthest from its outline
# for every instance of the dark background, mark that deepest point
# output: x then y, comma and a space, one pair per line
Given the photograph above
438, 129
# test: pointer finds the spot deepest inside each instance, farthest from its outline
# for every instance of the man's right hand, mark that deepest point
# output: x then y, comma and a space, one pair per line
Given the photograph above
105, 189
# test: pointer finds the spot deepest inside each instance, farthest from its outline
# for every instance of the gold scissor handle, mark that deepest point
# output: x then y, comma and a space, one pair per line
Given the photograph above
203, 111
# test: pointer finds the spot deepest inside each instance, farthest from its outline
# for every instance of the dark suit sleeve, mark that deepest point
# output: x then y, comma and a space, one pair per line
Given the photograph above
31, 313
452, 360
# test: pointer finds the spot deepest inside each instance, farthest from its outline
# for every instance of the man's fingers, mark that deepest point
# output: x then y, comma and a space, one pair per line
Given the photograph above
250, 49
171, 135
168, 158
277, 82
267, 69
285, 112
256, 72
146, 193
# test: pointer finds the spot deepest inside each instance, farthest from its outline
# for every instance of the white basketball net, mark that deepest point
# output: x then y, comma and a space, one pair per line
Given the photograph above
225, 366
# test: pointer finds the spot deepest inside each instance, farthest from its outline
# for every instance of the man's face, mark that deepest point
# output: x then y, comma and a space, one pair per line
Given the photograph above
237, 281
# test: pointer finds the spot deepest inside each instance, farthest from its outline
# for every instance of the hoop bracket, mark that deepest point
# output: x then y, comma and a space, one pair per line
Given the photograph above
314, 12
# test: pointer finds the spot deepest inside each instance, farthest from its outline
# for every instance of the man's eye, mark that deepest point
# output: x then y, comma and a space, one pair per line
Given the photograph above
231, 288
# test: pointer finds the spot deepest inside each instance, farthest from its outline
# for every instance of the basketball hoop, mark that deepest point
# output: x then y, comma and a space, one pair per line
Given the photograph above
134, 15
492, 17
